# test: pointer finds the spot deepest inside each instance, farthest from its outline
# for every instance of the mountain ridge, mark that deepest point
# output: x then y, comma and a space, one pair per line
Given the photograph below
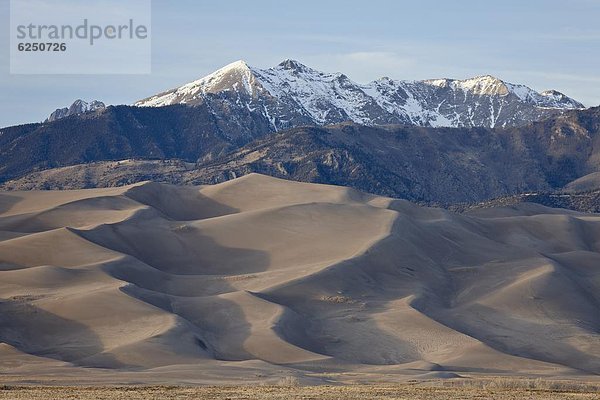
442, 166
76, 108
292, 94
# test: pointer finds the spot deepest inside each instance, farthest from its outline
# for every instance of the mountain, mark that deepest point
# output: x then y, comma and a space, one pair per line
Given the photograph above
78, 107
292, 94
433, 165
116, 133
258, 276
586, 202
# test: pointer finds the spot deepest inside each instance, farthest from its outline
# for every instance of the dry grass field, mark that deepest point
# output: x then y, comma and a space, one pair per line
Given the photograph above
493, 389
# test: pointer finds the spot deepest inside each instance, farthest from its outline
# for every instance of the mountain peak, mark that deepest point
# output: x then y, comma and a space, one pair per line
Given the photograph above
486, 77
292, 65
480, 85
484, 85
77, 107
555, 97
552, 92
291, 94
236, 65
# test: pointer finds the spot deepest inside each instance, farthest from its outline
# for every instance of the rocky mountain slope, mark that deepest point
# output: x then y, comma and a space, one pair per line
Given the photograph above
115, 133
78, 107
443, 165
433, 165
292, 94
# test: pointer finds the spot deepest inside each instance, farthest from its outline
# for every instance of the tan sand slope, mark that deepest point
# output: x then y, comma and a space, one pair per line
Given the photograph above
261, 274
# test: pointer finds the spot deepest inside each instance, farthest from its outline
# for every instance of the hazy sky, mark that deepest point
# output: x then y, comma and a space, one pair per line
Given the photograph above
545, 44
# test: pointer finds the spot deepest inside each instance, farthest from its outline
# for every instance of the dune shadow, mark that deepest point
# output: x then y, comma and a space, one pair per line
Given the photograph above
176, 248
170, 264
7, 201
179, 203
344, 311
517, 337
35, 331
341, 324
396, 268
219, 326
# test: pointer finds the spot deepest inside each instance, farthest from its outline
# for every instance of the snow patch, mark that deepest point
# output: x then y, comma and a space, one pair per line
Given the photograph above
293, 90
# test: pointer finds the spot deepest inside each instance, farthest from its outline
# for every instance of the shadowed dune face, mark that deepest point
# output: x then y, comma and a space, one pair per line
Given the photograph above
312, 277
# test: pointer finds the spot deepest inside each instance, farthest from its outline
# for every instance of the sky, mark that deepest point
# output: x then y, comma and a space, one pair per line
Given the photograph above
544, 44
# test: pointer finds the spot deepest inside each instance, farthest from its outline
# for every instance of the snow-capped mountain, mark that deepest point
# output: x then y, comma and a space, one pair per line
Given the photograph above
78, 107
292, 94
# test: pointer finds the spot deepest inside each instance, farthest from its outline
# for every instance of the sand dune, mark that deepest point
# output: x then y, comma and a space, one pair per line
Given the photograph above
259, 277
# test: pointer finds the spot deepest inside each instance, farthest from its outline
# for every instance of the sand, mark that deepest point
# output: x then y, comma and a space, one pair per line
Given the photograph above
259, 279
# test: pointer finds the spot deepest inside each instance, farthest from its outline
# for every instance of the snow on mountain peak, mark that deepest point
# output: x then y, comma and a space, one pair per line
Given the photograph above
221, 79
484, 85
77, 107
437, 82
317, 95
234, 76
236, 67
293, 65
555, 97
479, 85
293, 93
551, 92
